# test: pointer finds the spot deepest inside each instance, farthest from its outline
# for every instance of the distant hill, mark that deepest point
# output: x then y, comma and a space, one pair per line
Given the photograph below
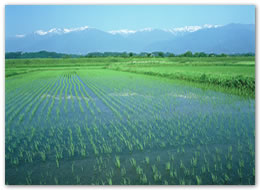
232, 38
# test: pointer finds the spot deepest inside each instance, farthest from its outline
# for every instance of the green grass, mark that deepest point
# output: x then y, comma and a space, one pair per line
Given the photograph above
230, 73
244, 70
244, 84
227, 72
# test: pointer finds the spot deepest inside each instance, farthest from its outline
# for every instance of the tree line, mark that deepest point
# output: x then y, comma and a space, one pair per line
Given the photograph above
46, 54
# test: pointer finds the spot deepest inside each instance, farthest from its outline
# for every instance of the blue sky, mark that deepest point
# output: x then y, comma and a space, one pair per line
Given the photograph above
26, 19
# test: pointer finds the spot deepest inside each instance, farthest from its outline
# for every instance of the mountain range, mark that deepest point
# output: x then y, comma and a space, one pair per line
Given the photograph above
231, 38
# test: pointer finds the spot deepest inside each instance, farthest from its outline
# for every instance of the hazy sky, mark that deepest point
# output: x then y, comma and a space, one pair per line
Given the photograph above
27, 19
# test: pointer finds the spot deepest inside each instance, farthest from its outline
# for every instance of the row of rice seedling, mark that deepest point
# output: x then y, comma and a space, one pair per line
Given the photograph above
39, 100
50, 97
54, 97
70, 93
82, 86
112, 99
18, 97
12, 84
62, 92
143, 95
85, 99
30, 134
112, 104
26, 99
130, 107
77, 96
43, 97
113, 107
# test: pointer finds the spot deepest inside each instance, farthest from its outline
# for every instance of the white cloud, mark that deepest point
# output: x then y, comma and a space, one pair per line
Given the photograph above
20, 35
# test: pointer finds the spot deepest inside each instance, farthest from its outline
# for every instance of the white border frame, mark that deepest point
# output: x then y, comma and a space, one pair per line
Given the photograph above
106, 2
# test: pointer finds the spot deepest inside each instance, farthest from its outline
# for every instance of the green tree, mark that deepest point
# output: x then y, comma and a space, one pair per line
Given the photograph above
223, 55
160, 54
188, 54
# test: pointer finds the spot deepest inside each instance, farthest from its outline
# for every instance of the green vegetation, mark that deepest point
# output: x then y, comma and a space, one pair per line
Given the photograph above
84, 121
46, 54
238, 74
235, 74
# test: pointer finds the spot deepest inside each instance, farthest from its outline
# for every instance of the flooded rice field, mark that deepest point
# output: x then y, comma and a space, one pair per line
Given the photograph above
110, 127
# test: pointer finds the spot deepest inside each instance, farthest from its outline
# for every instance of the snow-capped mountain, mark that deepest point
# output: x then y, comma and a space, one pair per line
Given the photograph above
232, 38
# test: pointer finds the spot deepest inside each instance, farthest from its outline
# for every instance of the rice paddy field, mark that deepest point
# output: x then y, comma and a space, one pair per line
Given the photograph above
117, 121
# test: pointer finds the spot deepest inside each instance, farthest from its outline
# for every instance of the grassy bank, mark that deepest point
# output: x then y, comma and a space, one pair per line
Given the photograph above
244, 84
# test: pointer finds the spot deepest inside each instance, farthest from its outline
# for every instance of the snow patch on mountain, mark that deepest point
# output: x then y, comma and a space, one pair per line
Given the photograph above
20, 35
122, 31
60, 31
191, 28
175, 30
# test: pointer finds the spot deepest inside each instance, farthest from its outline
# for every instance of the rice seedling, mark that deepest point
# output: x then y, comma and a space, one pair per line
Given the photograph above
133, 162
123, 171
229, 166
168, 166
147, 161
117, 163
239, 172
158, 158
56, 181
194, 162
203, 169
77, 179
182, 165
139, 170
72, 167
241, 163
172, 158
214, 178
28, 181
199, 180
182, 182
110, 181
154, 168
227, 179
43, 156
171, 174
157, 176
57, 163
